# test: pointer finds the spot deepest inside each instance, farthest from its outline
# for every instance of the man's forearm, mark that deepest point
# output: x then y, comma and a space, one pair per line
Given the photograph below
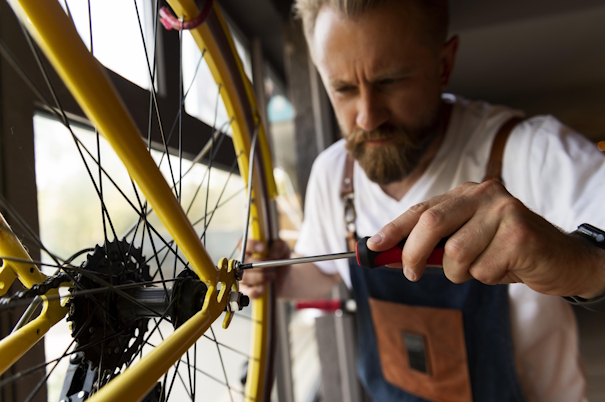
592, 270
305, 281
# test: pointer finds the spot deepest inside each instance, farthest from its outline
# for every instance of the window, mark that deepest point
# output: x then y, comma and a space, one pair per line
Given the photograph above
116, 36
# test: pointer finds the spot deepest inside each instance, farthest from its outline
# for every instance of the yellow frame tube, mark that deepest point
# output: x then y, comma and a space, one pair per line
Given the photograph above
10, 246
17, 344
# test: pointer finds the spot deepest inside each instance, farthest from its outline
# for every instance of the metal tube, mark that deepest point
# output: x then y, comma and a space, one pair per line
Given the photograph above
27, 315
299, 260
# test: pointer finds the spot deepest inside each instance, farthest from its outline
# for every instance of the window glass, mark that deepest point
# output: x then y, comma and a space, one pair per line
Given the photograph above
200, 89
199, 86
116, 36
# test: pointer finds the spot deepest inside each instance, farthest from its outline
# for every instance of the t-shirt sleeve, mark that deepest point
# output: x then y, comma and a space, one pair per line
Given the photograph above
556, 172
321, 232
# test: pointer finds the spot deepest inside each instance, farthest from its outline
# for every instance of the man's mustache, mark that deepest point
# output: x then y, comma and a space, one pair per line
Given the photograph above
360, 136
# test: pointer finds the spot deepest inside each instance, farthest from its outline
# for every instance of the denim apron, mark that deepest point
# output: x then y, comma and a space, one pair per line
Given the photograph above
485, 326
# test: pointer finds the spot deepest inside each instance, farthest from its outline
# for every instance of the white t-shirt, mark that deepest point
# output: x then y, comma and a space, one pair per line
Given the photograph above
551, 169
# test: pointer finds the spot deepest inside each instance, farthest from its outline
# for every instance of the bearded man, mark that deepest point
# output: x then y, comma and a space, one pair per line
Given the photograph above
408, 159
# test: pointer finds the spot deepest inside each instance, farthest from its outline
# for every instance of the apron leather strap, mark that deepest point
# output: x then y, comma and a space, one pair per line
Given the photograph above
494, 164
347, 195
346, 187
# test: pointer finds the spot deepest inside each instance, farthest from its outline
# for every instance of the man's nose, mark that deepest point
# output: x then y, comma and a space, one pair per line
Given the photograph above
371, 112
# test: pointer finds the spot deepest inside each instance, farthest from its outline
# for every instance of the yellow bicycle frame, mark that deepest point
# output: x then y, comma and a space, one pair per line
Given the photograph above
87, 81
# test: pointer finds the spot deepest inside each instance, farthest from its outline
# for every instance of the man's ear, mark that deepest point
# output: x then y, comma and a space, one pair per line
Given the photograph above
448, 57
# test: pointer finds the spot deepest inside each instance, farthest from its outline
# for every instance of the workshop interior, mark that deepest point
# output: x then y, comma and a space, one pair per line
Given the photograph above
98, 272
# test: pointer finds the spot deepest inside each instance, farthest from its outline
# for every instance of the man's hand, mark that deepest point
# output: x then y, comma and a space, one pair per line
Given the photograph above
494, 239
254, 281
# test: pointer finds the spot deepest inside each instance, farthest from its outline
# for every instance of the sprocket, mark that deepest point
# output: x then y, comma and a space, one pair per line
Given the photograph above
102, 336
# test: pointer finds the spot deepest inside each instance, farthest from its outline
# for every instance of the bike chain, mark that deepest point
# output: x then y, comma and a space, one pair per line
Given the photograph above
39, 289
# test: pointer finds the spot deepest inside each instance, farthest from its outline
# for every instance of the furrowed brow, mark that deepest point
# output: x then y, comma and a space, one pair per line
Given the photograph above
394, 73
340, 83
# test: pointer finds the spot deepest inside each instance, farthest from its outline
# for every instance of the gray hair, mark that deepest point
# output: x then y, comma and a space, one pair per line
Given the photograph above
435, 12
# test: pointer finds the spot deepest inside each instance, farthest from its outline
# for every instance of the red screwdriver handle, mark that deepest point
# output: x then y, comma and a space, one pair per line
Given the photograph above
374, 259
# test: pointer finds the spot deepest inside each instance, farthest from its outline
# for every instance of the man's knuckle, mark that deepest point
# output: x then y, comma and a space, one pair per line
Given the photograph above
391, 227
456, 250
468, 186
491, 187
410, 260
508, 207
485, 274
432, 218
419, 208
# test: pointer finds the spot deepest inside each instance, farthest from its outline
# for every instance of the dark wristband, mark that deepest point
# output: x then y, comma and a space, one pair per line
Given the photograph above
597, 237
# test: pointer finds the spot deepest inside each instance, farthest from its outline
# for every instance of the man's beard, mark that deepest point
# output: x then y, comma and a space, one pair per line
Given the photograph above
393, 161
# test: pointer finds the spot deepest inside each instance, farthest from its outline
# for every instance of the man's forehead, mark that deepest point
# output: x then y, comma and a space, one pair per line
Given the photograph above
376, 38
391, 14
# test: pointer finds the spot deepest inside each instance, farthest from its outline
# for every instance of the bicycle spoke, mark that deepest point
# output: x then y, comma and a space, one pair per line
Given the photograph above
191, 395
218, 94
218, 133
247, 356
231, 197
249, 204
179, 193
176, 369
153, 92
184, 385
219, 381
194, 371
218, 201
148, 227
220, 355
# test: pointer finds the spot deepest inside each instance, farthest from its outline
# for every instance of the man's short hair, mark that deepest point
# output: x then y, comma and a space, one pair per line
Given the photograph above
435, 13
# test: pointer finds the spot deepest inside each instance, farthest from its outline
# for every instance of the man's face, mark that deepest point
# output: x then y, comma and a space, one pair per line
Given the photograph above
384, 78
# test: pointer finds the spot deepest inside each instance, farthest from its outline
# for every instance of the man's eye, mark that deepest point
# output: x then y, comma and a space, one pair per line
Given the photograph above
344, 90
388, 81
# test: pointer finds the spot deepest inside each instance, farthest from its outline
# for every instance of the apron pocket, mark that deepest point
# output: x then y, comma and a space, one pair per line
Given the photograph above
422, 350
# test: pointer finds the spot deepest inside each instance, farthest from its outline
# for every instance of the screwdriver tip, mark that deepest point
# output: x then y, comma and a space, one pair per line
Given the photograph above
245, 266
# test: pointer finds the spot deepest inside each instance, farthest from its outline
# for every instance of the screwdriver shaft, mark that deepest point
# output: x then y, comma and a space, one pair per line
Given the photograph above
299, 260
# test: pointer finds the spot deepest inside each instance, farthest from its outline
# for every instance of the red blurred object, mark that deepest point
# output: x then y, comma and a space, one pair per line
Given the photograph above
171, 22
326, 305
348, 306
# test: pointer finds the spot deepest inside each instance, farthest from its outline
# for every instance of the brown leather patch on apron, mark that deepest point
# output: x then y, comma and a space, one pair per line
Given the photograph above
422, 350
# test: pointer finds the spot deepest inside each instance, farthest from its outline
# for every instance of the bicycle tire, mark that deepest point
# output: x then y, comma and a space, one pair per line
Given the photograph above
239, 100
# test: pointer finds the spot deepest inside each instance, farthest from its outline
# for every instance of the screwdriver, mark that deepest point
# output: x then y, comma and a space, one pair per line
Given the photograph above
365, 257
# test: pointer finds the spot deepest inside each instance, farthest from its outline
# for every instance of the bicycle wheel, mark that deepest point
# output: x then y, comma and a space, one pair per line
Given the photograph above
128, 289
